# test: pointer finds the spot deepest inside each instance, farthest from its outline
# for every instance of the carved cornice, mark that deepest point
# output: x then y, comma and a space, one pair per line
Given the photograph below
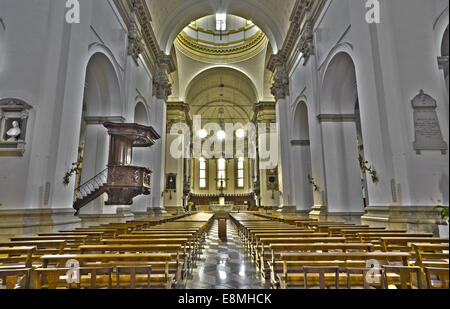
102, 120
300, 36
143, 28
10, 103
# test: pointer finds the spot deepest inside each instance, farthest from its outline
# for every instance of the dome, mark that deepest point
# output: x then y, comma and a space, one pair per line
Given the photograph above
221, 38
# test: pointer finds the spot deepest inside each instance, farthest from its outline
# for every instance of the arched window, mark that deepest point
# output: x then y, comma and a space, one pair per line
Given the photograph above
221, 173
203, 174
240, 172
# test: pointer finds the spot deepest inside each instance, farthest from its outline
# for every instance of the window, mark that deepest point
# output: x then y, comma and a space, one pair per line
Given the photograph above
221, 173
240, 173
203, 172
221, 22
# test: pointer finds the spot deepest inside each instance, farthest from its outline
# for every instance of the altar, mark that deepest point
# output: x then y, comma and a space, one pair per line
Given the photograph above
217, 207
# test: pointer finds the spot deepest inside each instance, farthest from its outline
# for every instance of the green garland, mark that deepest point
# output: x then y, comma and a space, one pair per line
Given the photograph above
443, 212
365, 169
313, 183
76, 169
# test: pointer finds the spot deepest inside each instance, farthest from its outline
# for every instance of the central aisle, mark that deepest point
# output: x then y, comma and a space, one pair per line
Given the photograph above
224, 265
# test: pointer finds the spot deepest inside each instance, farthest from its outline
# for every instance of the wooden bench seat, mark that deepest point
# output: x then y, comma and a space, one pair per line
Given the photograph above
291, 273
16, 257
162, 262
431, 255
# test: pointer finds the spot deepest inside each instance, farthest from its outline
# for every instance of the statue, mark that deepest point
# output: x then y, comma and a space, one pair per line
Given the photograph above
14, 132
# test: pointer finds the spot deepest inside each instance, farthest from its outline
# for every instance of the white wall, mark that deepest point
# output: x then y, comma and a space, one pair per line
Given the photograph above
393, 61
45, 63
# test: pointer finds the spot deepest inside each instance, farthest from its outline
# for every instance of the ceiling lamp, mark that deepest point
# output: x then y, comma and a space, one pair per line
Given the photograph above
221, 135
202, 133
240, 133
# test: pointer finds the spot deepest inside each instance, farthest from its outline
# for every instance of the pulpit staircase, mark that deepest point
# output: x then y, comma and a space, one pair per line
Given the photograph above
90, 190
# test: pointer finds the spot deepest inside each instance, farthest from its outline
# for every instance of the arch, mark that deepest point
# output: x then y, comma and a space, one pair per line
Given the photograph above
301, 153
444, 53
339, 91
301, 122
219, 66
338, 103
187, 12
141, 114
102, 87
102, 97
2, 44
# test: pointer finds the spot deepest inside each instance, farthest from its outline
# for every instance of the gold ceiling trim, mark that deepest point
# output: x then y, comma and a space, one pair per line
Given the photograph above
252, 38
248, 49
230, 32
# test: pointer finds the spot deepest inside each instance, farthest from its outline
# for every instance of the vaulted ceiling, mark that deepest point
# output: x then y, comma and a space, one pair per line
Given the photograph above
171, 16
222, 93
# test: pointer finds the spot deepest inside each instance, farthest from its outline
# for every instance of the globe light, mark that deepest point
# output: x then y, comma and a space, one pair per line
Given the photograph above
221, 135
202, 133
240, 133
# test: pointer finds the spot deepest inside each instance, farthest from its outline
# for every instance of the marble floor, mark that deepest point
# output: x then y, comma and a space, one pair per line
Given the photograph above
223, 265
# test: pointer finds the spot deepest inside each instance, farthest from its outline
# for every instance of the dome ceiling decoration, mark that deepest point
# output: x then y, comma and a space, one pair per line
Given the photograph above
234, 40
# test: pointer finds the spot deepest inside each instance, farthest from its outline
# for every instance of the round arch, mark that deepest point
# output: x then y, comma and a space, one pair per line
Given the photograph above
2, 44
345, 184
141, 114
339, 86
300, 127
186, 13
243, 74
102, 87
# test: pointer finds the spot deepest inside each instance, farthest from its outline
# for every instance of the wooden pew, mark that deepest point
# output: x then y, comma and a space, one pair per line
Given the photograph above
294, 262
158, 261
264, 254
15, 278
376, 236
16, 257
431, 255
179, 267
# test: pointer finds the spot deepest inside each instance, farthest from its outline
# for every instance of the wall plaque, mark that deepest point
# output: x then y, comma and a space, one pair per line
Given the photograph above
426, 125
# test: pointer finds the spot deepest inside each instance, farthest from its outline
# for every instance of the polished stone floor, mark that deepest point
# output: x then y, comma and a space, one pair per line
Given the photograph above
223, 265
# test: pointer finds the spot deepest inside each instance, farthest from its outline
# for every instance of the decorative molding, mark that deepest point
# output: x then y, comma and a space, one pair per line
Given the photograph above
336, 118
162, 89
102, 120
300, 36
135, 45
300, 142
280, 87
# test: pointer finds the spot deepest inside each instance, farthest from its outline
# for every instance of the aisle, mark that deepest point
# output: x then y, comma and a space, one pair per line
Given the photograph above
224, 265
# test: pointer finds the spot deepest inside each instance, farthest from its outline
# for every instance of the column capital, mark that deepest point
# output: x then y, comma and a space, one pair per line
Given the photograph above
162, 89
280, 87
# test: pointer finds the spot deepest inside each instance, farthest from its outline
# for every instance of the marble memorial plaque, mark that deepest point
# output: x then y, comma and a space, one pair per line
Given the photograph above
426, 125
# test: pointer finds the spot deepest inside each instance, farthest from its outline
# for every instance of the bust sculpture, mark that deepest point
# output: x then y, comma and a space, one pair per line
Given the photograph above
14, 132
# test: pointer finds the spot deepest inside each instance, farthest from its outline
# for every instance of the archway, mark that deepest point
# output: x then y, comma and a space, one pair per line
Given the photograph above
301, 155
2, 44
444, 53
101, 99
339, 105
140, 114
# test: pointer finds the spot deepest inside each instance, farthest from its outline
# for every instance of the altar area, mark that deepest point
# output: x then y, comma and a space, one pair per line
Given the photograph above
223, 203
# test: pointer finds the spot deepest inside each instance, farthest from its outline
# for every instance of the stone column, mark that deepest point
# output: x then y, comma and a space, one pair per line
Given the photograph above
280, 91
161, 91
177, 113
